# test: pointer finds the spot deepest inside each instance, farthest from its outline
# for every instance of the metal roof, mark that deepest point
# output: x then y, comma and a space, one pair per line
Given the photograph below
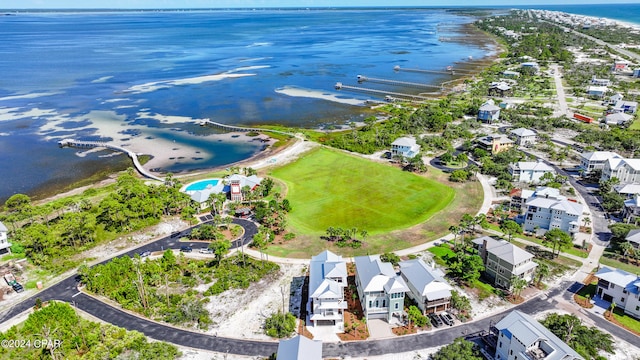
429, 281
300, 348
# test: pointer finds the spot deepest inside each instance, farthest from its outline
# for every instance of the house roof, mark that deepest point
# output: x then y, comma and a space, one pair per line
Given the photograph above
428, 280
404, 141
250, 181
375, 275
548, 192
500, 85
3, 228
569, 207
601, 89
621, 103
599, 155
533, 166
528, 331
322, 267
627, 189
633, 202
634, 236
489, 106
521, 132
632, 163
509, 72
300, 348
624, 279
618, 118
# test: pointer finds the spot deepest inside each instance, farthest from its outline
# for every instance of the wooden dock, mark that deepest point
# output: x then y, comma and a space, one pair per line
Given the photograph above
387, 94
362, 78
448, 71
233, 128
93, 144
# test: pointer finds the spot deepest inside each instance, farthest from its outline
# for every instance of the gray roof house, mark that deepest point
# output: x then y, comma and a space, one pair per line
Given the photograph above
626, 106
594, 160
327, 280
405, 146
299, 348
529, 171
618, 119
631, 210
488, 112
627, 190
522, 337
503, 260
544, 214
620, 286
523, 136
427, 285
380, 289
4, 242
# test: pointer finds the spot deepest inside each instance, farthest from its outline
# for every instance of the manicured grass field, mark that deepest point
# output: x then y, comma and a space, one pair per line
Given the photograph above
635, 125
330, 188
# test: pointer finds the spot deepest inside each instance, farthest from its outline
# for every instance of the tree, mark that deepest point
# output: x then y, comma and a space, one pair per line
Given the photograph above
459, 175
542, 271
611, 308
627, 250
558, 239
455, 230
510, 228
586, 341
416, 317
460, 302
390, 257
220, 248
280, 325
460, 349
517, 285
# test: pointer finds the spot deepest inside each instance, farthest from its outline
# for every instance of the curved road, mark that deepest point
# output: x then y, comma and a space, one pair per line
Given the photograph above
67, 291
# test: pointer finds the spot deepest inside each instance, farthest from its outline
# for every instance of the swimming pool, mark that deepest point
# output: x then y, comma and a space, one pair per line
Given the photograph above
202, 184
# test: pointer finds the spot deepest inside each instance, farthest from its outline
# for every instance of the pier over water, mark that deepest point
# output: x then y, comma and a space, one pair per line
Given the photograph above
94, 144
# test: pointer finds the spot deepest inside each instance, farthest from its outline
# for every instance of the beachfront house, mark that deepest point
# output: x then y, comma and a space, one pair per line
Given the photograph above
520, 336
619, 286
503, 260
597, 91
547, 211
299, 348
626, 106
405, 147
595, 160
631, 210
627, 171
523, 136
427, 285
488, 112
327, 280
381, 290
618, 119
494, 143
4, 240
529, 171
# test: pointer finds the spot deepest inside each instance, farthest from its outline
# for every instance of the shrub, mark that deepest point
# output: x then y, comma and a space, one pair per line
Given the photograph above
280, 325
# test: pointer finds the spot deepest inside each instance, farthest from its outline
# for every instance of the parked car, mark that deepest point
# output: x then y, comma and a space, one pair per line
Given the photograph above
206, 251
17, 287
436, 321
447, 318
186, 248
144, 253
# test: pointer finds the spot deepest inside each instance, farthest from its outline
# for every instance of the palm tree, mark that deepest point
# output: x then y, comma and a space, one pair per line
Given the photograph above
627, 250
364, 234
455, 230
517, 285
586, 221
611, 308
542, 272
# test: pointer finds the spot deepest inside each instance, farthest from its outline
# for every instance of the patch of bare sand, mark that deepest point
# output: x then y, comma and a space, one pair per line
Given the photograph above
240, 313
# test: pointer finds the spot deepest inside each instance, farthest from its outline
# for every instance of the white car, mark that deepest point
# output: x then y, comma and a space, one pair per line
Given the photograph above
206, 251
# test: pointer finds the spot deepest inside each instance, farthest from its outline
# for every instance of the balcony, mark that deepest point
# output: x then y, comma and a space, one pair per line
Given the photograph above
536, 354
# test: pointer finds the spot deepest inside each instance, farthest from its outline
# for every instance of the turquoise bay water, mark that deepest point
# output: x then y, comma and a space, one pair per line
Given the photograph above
129, 77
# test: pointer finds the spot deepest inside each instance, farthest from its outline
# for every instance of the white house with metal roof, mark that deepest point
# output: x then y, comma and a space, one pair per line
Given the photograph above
545, 213
626, 106
327, 280
522, 337
529, 171
627, 190
633, 237
523, 136
590, 161
620, 286
381, 290
405, 146
503, 261
4, 241
427, 285
299, 348
627, 171
597, 91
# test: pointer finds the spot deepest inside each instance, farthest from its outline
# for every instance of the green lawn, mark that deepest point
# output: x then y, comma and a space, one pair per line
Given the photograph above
635, 125
330, 188
627, 321
619, 265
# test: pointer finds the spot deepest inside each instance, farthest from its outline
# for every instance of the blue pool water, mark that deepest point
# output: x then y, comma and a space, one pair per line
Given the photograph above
201, 185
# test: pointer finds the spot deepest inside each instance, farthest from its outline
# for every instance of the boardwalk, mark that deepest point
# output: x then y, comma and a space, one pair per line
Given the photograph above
233, 128
362, 78
93, 144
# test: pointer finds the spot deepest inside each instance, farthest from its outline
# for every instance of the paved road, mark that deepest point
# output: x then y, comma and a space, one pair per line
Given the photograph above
562, 100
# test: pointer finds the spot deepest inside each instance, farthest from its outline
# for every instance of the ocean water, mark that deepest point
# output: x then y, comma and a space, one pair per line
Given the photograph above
147, 77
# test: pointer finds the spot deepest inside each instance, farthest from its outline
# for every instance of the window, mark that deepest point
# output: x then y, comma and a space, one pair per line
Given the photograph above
370, 303
637, 308
612, 286
511, 352
625, 291
500, 344
621, 299
384, 303
397, 306
377, 303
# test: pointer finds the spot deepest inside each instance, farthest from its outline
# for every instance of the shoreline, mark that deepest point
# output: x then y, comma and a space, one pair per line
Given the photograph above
165, 153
